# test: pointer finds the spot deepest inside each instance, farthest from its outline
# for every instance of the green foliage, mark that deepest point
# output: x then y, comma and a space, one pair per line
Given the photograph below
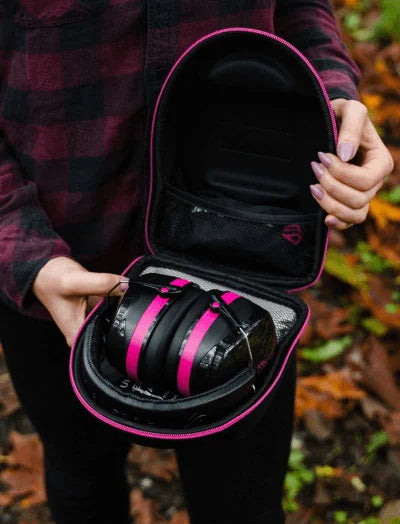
337, 266
329, 350
297, 477
392, 196
371, 520
377, 501
370, 260
377, 440
392, 308
396, 296
340, 516
375, 326
388, 25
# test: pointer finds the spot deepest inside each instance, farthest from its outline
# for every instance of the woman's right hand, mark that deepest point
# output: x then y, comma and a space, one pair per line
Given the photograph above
63, 286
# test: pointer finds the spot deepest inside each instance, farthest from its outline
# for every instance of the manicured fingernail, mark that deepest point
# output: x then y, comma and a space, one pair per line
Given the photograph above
318, 169
331, 221
124, 284
317, 192
325, 160
345, 151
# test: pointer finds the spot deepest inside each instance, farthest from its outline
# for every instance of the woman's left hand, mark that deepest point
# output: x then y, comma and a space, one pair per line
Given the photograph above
345, 190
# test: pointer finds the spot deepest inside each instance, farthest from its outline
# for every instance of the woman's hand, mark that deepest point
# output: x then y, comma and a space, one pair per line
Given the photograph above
63, 286
345, 190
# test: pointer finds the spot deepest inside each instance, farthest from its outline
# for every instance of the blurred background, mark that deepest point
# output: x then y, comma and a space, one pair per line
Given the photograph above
345, 459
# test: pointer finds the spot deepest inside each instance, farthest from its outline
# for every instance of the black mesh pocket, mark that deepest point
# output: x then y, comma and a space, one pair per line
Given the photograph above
281, 244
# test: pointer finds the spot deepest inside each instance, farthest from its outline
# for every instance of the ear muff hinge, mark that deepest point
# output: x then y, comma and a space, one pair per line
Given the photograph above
218, 305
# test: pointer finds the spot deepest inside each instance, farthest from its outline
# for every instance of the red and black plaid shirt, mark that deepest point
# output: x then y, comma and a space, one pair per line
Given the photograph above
78, 80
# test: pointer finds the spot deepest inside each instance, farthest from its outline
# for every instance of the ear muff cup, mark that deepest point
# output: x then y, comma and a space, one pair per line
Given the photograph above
136, 304
152, 359
172, 355
207, 349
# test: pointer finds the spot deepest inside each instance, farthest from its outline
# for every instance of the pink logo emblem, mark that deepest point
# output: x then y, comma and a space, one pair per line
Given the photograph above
293, 233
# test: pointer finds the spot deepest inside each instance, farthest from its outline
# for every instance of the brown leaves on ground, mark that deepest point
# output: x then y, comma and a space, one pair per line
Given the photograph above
326, 393
23, 476
157, 463
145, 511
9, 402
371, 367
377, 297
327, 321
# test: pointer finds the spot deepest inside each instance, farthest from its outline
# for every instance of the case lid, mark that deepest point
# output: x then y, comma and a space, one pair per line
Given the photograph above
238, 120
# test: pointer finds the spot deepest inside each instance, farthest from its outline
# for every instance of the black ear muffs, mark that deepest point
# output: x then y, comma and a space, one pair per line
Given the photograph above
134, 344
220, 335
197, 353
168, 334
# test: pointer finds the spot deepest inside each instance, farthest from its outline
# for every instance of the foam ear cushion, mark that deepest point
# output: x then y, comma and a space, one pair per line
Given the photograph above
152, 359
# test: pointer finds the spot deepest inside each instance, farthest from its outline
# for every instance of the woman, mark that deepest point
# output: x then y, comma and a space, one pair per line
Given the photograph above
79, 80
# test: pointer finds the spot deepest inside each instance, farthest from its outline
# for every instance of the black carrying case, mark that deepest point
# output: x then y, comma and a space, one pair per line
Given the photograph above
237, 122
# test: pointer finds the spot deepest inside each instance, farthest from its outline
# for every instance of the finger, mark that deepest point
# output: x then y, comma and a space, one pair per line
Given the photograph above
345, 194
353, 116
92, 301
334, 223
91, 283
361, 178
336, 208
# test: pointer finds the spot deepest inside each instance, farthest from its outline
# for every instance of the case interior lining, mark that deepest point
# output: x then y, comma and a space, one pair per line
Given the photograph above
236, 130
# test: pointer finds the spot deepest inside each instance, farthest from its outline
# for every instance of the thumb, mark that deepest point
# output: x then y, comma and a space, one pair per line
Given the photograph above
353, 116
90, 283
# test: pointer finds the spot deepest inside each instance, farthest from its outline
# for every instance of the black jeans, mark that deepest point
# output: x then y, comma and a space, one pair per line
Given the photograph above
226, 482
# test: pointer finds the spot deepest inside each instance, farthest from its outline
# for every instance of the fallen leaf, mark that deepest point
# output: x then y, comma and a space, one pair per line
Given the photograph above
384, 212
9, 402
338, 266
180, 517
390, 511
24, 475
142, 510
154, 462
336, 384
392, 427
327, 321
373, 370
318, 425
327, 351
376, 299
373, 409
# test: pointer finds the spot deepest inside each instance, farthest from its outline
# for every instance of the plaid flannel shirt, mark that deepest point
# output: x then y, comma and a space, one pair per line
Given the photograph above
78, 81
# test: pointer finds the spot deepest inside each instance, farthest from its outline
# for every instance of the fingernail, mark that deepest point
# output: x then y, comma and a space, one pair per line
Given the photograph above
124, 284
318, 169
317, 192
325, 160
331, 221
345, 151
